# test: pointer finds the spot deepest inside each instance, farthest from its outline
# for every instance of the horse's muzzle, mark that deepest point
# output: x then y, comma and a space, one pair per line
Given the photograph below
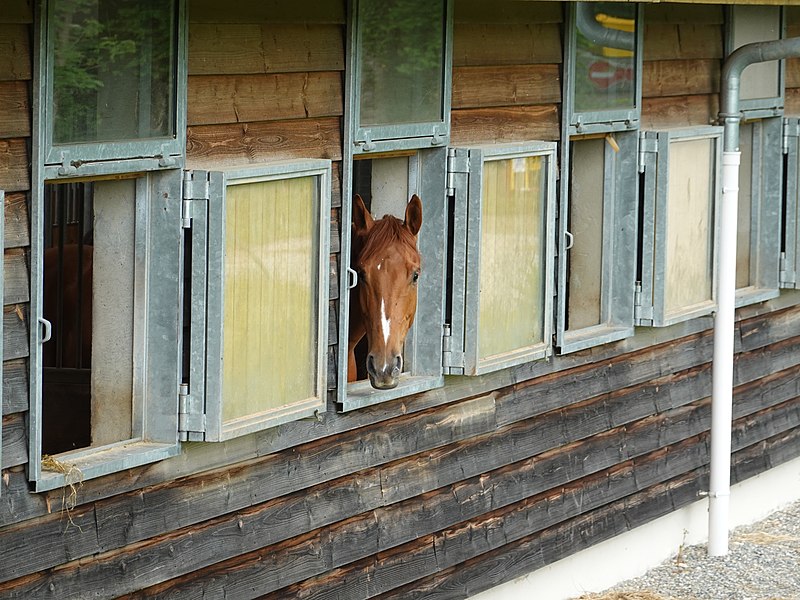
386, 376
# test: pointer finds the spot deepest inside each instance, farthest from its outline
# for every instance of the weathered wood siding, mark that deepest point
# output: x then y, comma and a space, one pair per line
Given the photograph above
436, 496
683, 52
792, 93
16, 20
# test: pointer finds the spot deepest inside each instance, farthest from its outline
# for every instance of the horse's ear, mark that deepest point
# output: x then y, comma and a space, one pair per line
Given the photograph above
414, 215
362, 219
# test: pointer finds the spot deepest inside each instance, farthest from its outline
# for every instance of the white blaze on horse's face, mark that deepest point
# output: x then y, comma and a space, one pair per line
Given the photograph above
388, 266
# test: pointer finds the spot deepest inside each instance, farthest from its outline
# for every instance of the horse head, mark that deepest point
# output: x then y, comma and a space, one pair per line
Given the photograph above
384, 302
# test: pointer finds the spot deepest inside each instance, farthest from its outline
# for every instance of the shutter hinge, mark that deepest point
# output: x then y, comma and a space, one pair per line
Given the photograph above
191, 419
646, 146
452, 360
787, 278
791, 129
642, 315
456, 164
194, 188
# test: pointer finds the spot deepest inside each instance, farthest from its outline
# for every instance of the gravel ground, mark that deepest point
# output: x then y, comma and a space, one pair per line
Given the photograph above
763, 564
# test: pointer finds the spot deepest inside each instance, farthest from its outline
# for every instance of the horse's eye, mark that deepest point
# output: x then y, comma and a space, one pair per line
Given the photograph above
415, 277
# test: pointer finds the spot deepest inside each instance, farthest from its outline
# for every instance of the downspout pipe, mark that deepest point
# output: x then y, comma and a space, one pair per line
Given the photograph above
722, 373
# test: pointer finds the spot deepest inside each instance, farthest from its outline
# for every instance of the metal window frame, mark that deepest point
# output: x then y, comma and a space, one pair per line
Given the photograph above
157, 293
207, 293
758, 107
110, 157
790, 254
423, 348
579, 123
467, 189
382, 138
765, 213
654, 160
618, 275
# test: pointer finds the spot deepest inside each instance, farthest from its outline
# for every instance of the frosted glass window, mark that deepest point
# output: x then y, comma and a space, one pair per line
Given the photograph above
586, 226
114, 70
605, 63
689, 224
270, 295
401, 61
757, 24
512, 243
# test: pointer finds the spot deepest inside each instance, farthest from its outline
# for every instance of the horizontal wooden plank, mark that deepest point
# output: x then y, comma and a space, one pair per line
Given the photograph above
15, 386
272, 11
666, 41
679, 111
229, 49
16, 288
14, 172
685, 14
15, 441
507, 124
15, 52
15, 332
506, 85
265, 97
17, 229
216, 146
508, 13
680, 77
17, 11
506, 44
15, 115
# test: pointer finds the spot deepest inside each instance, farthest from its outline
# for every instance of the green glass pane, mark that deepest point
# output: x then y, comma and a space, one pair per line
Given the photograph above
113, 72
401, 61
605, 65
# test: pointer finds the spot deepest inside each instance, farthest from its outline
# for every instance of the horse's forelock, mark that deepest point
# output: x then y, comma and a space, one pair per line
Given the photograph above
385, 232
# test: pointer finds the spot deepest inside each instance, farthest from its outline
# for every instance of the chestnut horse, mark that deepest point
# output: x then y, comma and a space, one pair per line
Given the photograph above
383, 303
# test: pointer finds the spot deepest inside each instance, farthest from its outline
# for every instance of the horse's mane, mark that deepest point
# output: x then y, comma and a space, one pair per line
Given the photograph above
385, 232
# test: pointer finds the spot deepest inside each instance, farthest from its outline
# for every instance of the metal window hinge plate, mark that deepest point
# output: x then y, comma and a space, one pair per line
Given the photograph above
191, 418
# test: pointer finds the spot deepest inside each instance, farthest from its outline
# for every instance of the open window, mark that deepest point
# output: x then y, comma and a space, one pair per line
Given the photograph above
597, 262
758, 243
256, 341
603, 66
761, 86
502, 244
599, 184
110, 84
397, 119
678, 238
102, 378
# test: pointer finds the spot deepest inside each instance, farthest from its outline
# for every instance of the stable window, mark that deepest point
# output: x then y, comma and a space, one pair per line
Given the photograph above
110, 86
502, 245
258, 246
758, 223
103, 380
761, 86
397, 119
598, 191
597, 264
603, 66
678, 239
399, 73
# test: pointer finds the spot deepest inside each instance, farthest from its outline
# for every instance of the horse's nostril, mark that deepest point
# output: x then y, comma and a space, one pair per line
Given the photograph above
371, 365
398, 366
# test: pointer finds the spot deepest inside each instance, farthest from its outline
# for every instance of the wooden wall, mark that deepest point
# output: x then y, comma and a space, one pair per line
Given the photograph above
792, 93
15, 137
447, 493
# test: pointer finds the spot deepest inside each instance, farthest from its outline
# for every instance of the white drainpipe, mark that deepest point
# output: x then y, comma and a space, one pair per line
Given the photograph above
722, 378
